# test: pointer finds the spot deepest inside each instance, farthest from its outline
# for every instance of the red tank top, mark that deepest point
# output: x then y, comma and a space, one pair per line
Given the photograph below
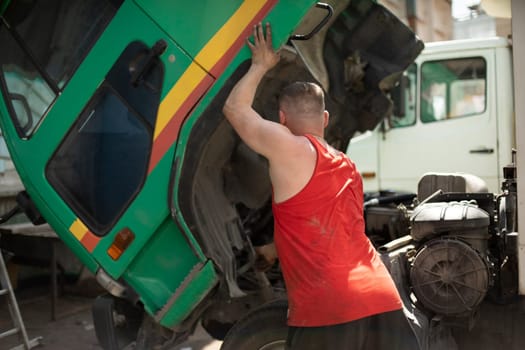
332, 272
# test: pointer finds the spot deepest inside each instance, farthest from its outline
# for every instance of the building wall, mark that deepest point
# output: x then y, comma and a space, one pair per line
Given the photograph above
436, 24
431, 20
503, 27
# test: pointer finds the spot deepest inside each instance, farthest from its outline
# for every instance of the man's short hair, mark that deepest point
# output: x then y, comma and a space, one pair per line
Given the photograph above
302, 98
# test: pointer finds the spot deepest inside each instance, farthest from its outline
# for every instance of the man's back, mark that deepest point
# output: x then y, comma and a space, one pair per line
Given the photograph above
331, 269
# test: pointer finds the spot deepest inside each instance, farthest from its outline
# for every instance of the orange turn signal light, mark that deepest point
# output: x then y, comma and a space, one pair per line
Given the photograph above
121, 242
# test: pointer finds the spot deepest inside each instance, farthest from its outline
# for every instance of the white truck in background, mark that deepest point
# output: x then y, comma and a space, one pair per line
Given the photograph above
445, 198
453, 112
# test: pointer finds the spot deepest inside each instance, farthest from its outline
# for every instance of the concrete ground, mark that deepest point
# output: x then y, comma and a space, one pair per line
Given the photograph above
497, 326
73, 328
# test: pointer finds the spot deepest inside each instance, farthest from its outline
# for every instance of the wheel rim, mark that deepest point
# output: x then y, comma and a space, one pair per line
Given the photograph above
275, 345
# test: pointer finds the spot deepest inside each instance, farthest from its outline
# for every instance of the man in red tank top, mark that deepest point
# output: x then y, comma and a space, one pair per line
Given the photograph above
340, 294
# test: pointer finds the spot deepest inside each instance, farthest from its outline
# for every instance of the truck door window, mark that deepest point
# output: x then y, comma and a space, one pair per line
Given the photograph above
404, 98
452, 88
102, 162
43, 42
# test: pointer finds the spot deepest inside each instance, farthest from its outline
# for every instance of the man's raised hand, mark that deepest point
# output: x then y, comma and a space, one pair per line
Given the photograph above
262, 50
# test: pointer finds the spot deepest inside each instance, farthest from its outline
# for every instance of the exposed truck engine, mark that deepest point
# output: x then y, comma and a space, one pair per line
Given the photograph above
455, 249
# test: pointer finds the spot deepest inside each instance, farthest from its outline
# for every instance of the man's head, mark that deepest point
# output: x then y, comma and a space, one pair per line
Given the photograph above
302, 108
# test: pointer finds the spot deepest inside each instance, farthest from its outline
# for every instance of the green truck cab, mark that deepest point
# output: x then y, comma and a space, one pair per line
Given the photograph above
111, 111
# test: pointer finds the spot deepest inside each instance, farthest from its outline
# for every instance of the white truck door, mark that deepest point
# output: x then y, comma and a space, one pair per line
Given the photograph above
454, 128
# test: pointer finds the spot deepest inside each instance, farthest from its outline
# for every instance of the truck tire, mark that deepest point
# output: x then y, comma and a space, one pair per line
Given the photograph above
262, 329
116, 322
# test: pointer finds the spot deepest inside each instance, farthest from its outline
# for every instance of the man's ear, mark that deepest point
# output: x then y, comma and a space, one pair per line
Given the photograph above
282, 117
326, 118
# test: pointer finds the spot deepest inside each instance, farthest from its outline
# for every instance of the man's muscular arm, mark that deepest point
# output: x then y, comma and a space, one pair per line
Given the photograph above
258, 133
291, 158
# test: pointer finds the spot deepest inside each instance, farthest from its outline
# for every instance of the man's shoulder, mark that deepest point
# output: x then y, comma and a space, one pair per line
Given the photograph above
291, 169
291, 146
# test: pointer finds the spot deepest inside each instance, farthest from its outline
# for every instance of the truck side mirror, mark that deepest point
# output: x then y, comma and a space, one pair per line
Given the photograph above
398, 95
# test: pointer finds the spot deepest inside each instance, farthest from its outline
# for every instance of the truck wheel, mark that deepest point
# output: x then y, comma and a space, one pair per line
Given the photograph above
116, 322
262, 329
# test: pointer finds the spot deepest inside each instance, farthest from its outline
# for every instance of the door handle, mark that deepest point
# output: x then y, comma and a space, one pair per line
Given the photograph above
482, 150
138, 73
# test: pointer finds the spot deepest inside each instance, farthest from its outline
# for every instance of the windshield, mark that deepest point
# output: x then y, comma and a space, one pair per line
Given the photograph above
43, 43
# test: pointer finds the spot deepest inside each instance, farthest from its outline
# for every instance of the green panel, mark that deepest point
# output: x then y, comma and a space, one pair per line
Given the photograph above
150, 208
190, 296
3, 5
201, 18
205, 17
161, 266
144, 222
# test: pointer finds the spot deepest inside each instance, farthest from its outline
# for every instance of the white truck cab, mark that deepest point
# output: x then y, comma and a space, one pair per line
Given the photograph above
453, 112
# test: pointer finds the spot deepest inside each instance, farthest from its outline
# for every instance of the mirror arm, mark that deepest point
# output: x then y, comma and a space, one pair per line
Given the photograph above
330, 12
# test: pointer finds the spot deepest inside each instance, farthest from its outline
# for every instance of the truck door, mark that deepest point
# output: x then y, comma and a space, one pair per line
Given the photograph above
92, 106
454, 128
